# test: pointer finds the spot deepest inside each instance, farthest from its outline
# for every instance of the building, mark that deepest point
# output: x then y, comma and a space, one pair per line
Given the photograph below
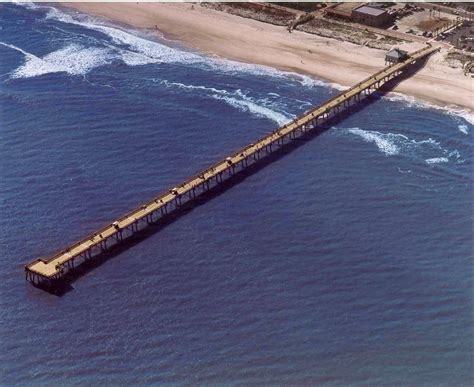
371, 16
341, 11
395, 56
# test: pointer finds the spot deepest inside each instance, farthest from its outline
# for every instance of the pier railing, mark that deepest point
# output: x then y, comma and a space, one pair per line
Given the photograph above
53, 268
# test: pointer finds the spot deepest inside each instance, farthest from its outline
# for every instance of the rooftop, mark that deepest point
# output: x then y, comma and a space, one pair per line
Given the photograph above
397, 53
370, 10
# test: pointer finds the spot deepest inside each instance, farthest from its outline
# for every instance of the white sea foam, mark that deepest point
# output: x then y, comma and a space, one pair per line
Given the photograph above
392, 144
72, 59
463, 129
408, 100
437, 160
131, 58
147, 50
131, 49
194, 87
247, 105
307, 81
234, 67
134, 49
26, 4
140, 50
386, 142
451, 110
453, 154
14, 48
239, 100
466, 115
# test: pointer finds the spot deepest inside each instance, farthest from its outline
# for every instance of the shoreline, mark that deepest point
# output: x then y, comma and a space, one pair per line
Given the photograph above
228, 36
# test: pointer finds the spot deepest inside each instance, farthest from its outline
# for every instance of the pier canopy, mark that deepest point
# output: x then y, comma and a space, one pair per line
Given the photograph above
395, 56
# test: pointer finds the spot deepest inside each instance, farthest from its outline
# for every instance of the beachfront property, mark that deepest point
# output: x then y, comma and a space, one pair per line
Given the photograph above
369, 23
367, 14
371, 16
379, 25
395, 56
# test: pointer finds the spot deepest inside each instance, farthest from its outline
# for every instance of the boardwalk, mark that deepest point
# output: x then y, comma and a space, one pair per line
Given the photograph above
47, 271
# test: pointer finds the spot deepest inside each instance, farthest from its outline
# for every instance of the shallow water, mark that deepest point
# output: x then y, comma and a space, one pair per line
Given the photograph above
346, 261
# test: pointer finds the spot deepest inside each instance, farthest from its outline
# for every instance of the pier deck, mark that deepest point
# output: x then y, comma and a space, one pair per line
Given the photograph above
53, 268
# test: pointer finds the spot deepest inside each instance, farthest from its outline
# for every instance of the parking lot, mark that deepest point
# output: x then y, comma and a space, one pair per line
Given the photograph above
462, 37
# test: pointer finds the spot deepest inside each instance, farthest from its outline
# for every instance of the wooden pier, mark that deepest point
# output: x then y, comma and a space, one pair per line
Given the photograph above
48, 271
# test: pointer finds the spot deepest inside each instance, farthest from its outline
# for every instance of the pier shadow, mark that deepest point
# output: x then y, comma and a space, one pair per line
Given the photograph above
409, 72
64, 285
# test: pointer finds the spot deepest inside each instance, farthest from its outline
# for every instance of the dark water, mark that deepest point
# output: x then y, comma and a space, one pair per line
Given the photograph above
346, 262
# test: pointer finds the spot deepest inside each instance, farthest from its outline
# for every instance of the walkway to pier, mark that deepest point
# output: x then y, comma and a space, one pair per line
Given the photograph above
53, 268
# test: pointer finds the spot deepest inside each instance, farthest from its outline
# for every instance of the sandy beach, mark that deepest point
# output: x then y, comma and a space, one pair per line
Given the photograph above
246, 40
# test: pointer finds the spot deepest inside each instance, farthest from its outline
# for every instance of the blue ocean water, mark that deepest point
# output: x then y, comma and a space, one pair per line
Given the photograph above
346, 262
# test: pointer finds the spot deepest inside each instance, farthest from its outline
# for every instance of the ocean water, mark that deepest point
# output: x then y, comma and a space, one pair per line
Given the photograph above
347, 261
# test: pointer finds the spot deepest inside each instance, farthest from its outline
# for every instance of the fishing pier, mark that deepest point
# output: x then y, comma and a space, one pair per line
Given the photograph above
47, 271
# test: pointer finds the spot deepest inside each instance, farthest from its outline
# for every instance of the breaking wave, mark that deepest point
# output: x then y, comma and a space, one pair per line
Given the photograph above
140, 50
463, 129
437, 160
464, 114
205, 89
263, 108
450, 110
309, 82
392, 144
246, 105
137, 50
73, 59
134, 49
387, 143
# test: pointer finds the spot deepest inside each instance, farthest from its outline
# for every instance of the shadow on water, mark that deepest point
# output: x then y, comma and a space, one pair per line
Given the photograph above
64, 285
